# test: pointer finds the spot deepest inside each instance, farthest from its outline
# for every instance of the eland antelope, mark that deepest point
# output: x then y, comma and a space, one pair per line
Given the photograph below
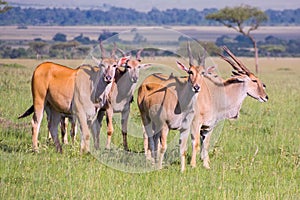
167, 102
121, 95
62, 91
222, 99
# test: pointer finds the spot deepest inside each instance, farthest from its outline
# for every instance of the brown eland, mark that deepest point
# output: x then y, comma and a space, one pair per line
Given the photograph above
53, 89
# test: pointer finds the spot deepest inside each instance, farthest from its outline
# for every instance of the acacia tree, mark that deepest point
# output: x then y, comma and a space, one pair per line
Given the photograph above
59, 37
38, 47
64, 46
244, 19
4, 6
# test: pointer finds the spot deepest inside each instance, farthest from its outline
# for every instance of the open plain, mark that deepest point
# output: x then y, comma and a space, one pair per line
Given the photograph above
255, 157
203, 33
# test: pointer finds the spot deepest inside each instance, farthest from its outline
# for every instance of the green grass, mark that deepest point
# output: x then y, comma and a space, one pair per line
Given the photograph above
255, 157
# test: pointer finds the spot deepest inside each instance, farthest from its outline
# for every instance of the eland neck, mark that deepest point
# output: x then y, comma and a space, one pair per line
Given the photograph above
186, 96
234, 96
222, 99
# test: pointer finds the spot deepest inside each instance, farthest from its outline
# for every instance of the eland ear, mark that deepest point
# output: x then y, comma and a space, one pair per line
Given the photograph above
210, 69
181, 66
123, 60
97, 61
145, 65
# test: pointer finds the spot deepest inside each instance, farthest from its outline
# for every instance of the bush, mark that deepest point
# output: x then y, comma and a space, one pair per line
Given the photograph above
60, 37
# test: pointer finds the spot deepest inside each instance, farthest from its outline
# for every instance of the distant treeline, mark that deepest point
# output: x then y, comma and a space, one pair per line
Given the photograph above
123, 16
80, 46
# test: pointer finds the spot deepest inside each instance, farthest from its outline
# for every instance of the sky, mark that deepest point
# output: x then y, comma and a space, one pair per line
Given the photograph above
146, 5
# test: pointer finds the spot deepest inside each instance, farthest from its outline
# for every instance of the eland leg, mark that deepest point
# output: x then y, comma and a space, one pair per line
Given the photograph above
124, 123
36, 123
183, 147
163, 148
52, 126
110, 128
195, 142
63, 129
205, 140
73, 130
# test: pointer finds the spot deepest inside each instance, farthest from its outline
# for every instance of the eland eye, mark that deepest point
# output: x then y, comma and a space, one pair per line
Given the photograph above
254, 80
264, 85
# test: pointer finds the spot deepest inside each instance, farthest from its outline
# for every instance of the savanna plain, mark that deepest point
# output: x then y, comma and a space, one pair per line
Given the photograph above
255, 157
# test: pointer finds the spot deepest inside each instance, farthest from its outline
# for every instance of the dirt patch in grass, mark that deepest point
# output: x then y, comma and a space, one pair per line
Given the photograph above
6, 123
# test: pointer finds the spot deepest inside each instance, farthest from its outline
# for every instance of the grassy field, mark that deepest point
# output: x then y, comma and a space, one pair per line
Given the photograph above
255, 157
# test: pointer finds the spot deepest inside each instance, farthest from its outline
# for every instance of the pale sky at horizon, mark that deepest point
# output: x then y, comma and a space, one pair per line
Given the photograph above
146, 5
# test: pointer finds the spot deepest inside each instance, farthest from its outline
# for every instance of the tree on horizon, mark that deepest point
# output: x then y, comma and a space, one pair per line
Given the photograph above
4, 6
244, 19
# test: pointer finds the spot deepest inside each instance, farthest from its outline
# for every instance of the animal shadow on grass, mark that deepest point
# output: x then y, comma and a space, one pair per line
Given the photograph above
126, 161
12, 148
10, 133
